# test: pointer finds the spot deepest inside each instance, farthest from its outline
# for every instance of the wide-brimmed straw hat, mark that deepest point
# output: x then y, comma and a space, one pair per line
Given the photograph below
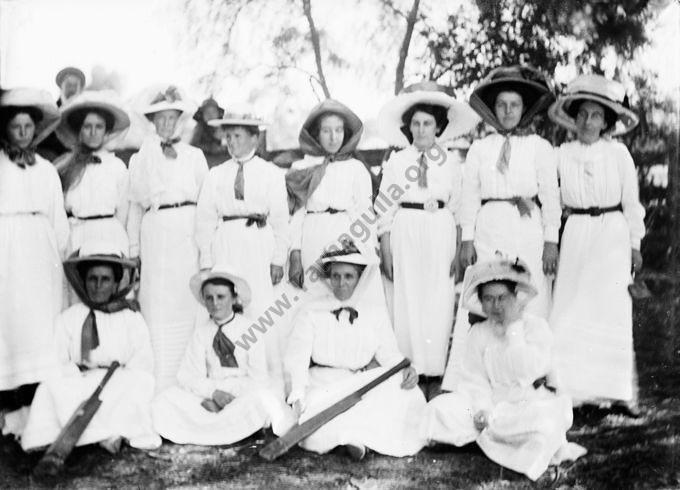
497, 269
459, 114
532, 85
100, 251
104, 100
237, 119
39, 100
221, 271
353, 130
166, 97
69, 70
596, 88
347, 253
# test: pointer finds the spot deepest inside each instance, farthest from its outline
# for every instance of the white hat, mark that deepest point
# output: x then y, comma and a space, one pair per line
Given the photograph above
462, 119
597, 88
105, 100
221, 271
36, 99
237, 119
159, 98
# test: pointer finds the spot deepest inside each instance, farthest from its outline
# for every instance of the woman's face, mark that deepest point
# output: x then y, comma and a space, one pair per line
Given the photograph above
331, 133
590, 122
499, 303
424, 130
93, 131
100, 283
209, 113
166, 122
239, 141
509, 108
219, 301
21, 130
344, 279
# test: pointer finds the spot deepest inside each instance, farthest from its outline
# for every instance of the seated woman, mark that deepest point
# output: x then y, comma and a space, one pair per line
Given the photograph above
350, 343
224, 394
90, 335
506, 400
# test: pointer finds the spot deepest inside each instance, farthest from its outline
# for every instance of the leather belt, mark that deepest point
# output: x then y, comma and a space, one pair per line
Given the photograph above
430, 205
512, 200
177, 205
327, 210
86, 218
594, 211
251, 219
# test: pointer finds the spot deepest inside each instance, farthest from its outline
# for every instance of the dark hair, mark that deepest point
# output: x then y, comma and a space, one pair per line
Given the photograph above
10, 112
610, 117
85, 266
220, 281
511, 285
439, 113
76, 118
315, 128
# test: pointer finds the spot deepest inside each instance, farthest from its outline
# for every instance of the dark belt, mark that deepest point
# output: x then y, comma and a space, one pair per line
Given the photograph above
594, 211
86, 218
177, 205
511, 200
327, 210
368, 366
430, 205
251, 219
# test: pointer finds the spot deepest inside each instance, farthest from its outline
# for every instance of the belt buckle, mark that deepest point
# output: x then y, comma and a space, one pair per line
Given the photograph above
431, 205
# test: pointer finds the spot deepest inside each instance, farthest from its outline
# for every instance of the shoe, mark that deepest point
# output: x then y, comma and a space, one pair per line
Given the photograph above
356, 452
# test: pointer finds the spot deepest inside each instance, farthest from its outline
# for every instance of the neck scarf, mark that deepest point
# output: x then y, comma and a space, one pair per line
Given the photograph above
353, 314
72, 170
168, 148
239, 184
422, 171
22, 157
223, 347
503, 162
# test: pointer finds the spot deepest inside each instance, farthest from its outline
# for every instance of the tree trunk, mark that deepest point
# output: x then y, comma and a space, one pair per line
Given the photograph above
314, 34
403, 51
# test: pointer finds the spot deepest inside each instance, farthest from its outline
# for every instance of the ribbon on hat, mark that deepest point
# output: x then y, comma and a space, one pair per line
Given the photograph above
170, 95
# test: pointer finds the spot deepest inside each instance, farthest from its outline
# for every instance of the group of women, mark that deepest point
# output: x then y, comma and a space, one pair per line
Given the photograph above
235, 231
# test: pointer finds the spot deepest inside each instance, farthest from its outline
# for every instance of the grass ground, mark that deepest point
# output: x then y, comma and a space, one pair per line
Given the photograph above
623, 452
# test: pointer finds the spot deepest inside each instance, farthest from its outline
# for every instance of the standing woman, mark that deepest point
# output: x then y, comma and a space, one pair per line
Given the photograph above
417, 225
592, 313
511, 199
33, 237
165, 179
329, 188
95, 182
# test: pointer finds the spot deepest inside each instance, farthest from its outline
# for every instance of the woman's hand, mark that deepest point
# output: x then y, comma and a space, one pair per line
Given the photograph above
481, 420
386, 261
635, 260
276, 273
222, 398
468, 254
296, 273
410, 379
550, 256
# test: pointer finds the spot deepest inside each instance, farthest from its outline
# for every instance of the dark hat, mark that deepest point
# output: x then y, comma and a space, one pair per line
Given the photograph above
209, 102
69, 70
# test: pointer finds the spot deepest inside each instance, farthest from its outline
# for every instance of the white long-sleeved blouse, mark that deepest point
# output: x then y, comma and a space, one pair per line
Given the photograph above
532, 171
400, 183
602, 175
264, 192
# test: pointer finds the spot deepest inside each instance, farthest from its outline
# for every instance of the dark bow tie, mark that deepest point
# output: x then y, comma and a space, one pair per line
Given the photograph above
168, 148
353, 314
22, 157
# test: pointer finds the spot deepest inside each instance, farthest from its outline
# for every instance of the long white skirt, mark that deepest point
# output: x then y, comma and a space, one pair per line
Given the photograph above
30, 297
179, 417
501, 228
423, 247
169, 259
125, 410
592, 313
386, 419
525, 436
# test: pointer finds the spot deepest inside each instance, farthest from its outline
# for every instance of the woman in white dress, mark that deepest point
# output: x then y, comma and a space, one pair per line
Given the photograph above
507, 400
95, 182
418, 207
165, 179
33, 237
349, 342
329, 189
592, 312
224, 392
511, 199
91, 335
242, 218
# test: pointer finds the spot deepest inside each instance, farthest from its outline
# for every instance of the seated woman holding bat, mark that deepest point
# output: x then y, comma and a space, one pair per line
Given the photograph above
89, 337
506, 400
339, 343
224, 393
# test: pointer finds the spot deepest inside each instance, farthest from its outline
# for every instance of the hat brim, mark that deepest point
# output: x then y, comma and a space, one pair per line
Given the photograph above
111, 259
231, 122
471, 301
69, 135
69, 70
178, 105
627, 120
241, 287
462, 119
36, 99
